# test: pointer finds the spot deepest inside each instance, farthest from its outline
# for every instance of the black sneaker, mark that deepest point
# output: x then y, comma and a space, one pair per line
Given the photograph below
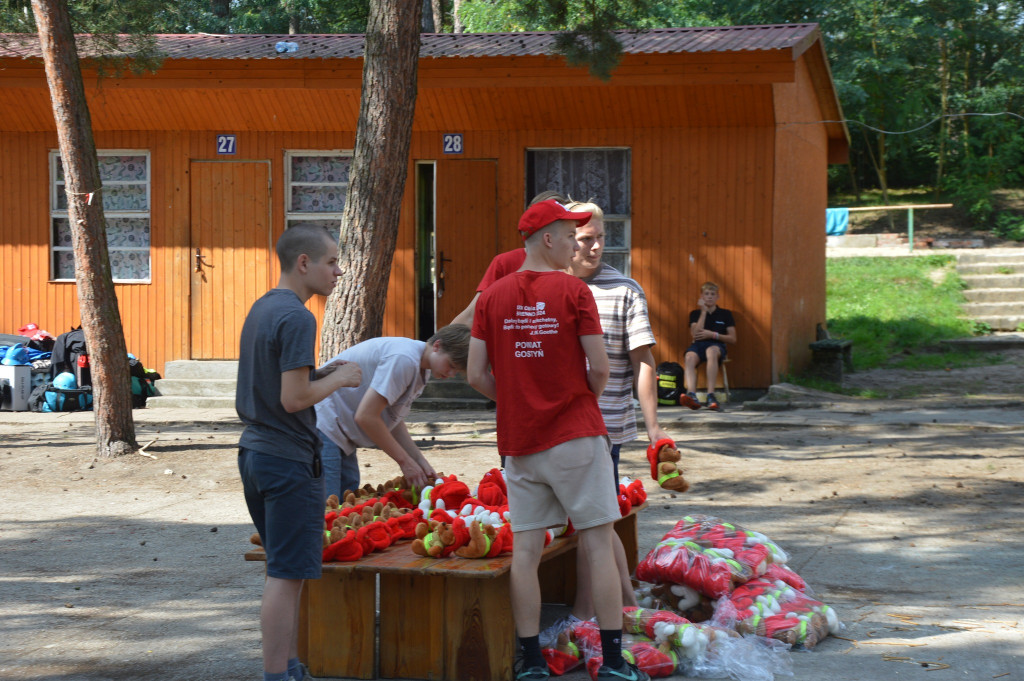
524, 673
628, 672
689, 400
713, 404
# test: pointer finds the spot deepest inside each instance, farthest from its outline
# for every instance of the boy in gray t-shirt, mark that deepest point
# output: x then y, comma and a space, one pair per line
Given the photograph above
278, 457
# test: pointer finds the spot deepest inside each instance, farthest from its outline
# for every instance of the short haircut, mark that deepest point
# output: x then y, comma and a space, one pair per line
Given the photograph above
586, 207
549, 194
304, 237
454, 340
708, 286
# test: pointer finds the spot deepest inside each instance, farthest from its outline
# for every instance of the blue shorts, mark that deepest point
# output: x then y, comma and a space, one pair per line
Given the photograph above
700, 348
286, 503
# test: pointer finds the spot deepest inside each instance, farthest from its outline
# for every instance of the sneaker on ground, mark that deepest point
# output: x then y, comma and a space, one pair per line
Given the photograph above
304, 674
628, 672
713, 404
524, 673
549, 637
689, 400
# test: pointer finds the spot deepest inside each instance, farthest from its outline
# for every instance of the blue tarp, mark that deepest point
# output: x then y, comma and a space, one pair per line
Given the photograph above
836, 221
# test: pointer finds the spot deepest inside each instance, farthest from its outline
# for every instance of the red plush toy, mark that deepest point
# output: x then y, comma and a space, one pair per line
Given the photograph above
449, 495
664, 457
345, 548
486, 541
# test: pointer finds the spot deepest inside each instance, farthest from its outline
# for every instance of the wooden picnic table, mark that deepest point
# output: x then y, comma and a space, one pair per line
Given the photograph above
447, 619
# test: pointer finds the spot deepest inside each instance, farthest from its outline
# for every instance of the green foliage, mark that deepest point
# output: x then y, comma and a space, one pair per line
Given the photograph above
1009, 226
888, 306
587, 25
980, 328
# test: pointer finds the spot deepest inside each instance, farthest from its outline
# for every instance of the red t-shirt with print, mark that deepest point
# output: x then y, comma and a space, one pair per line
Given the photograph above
531, 322
502, 265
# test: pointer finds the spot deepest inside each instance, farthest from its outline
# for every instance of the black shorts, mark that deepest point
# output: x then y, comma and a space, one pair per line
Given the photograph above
700, 348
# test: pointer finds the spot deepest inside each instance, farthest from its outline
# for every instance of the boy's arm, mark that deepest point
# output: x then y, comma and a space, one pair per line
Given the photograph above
597, 357
414, 468
646, 377
401, 434
729, 336
466, 316
299, 391
478, 369
697, 327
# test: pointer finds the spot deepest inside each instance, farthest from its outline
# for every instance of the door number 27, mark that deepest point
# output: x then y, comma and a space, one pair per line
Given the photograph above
226, 145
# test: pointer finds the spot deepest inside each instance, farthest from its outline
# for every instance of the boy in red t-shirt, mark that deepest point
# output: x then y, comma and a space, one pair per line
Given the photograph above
537, 329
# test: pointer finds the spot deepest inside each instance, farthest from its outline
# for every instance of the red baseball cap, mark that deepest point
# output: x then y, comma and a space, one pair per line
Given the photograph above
544, 213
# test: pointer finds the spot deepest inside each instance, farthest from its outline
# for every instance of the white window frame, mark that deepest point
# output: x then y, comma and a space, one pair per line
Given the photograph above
56, 213
292, 216
625, 220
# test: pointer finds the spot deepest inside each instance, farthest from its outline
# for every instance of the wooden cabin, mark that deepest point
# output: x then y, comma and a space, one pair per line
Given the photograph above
707, 148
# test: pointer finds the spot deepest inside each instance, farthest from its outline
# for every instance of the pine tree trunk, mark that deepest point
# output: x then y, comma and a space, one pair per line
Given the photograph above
101, 320
369, 225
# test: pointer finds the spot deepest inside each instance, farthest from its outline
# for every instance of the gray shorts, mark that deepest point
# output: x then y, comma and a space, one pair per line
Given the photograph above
286, 503
570, 480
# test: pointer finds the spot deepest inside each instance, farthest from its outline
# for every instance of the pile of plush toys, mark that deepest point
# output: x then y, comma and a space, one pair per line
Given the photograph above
443, 520
715, 600
475, 524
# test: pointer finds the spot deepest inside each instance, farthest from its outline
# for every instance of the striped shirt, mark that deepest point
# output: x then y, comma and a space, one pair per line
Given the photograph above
623, 309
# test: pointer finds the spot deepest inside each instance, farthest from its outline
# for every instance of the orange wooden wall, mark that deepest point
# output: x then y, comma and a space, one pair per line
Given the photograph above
719, 193
800, 198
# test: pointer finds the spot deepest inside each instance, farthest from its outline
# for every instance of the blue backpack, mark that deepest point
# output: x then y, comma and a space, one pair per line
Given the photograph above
65, 395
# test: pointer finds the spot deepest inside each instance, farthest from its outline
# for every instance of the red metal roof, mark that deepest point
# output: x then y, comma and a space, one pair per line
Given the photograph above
450, 45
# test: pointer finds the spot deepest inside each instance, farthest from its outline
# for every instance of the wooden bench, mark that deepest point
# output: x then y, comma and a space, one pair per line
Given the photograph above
439, 619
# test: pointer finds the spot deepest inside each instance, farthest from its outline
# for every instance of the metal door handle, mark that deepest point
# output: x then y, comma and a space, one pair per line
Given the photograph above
441, 275
201, 261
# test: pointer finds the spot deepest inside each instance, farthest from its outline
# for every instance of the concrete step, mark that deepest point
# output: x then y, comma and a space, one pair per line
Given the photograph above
993, 343
991, 268
994, 280
999, 322
203, 368
994, 295
1009, 257
197, 387
1015, 308
1010, 309
191, 402
479, 403
450, 387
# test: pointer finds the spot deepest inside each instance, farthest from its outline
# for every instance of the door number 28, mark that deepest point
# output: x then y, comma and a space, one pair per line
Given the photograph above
451, 143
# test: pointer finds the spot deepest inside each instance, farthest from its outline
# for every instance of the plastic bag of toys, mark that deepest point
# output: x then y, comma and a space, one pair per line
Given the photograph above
709, 555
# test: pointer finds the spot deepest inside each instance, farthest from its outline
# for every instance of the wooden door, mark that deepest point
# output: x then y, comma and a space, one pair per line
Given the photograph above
230, 254
465, 233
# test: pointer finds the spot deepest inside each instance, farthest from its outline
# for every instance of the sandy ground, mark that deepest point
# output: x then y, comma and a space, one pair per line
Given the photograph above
902, 514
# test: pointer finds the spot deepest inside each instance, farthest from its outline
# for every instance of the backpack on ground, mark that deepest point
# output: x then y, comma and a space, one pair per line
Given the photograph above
142, 389
670, 383
63, 394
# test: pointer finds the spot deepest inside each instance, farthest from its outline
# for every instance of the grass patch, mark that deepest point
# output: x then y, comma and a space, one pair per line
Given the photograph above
894, 306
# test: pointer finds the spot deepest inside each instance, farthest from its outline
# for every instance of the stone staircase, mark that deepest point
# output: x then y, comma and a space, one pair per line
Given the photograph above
995, 293
196, 384
210, 384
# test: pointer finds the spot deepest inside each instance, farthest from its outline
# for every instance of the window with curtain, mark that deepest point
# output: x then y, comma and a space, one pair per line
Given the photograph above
599, 175
317, 182
125, 177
